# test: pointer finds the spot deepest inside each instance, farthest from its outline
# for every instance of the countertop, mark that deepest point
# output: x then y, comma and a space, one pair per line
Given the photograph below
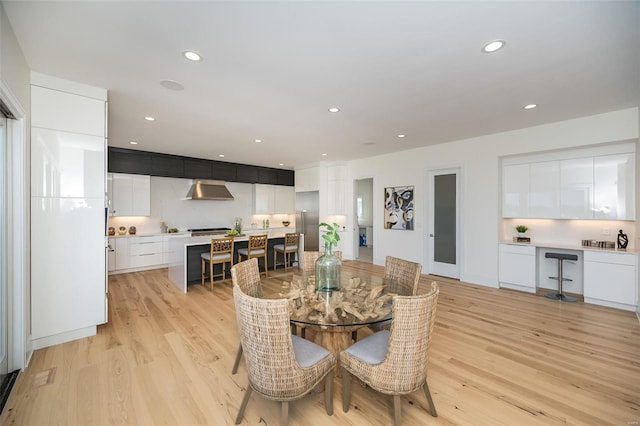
206, 239
571, 247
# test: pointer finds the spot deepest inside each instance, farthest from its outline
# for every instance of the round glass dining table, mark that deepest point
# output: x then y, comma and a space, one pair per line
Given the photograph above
334, 315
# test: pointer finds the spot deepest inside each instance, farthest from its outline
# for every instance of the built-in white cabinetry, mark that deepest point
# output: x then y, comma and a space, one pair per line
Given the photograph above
576, 188
129, 195
544, 185
273, 199
515, 190
614, 186
517, 267
336, 181
111, 254
140, 252
610, 279
68, 261
588, 184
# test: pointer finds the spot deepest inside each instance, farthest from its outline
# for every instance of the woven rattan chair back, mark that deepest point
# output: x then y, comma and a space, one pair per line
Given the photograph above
402, 276
272, 367
309, 264
246, 275
404, 367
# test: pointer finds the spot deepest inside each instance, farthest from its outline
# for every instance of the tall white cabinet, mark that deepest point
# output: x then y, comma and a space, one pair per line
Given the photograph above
68, 158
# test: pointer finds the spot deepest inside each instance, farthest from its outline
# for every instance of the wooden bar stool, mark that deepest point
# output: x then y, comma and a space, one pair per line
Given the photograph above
290, 246
561, 257
256, 247
221, 252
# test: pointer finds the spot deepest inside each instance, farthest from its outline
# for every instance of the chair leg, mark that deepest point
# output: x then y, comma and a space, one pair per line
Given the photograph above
346, 390
284, 413
328, 392
432, 406
275, 259
266, 266
211, 275
236, 363
245, 400
203, 271
397, 413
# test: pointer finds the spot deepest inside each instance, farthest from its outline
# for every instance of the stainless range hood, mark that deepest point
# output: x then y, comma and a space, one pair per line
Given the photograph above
208, 190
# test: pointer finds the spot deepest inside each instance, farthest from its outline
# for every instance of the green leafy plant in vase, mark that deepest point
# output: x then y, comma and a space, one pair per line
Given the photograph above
329, 266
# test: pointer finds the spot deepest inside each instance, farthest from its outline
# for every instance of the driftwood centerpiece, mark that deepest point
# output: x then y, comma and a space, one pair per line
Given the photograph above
353, 304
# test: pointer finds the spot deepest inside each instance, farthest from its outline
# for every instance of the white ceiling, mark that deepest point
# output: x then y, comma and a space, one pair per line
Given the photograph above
272, 69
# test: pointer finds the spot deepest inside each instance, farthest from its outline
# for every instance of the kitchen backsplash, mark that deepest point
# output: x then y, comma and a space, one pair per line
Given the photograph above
571, 232
168, 204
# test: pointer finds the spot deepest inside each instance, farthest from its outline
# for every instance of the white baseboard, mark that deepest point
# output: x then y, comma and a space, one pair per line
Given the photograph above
56, 339
609, 304
518, 287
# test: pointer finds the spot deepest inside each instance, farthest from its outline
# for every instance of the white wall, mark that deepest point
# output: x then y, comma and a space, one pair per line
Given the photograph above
479, 159
168, 204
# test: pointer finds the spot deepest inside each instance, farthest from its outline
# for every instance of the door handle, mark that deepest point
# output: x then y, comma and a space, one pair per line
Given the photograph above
431, 235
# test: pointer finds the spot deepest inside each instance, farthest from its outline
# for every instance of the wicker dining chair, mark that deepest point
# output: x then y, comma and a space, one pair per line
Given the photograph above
281, 367
256, 247
395, 362
402, 276
221, 252
246, 275
289, 247
309, 264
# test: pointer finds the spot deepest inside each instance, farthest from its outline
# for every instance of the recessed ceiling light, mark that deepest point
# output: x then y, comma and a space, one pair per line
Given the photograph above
493, 46
401, 136
334, 109
530, 106
282, 164
171, 85
324, 154
192, 56
221, 155
258, 140
149, 118
133, 142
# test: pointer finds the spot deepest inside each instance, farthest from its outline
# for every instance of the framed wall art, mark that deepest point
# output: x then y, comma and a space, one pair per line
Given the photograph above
398, 208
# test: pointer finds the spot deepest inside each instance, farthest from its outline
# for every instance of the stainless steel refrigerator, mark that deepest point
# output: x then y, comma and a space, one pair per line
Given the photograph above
308, 218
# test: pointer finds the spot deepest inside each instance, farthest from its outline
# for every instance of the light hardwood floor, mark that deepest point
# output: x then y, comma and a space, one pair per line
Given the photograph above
498, 357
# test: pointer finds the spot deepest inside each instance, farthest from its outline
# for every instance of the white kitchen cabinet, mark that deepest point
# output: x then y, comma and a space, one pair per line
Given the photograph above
336, 181
544, 189
285, 202
576, 188
273, 199
111, 254
122, 253
145, 251
517, 267
614, 187
68, 262
130, 195
610, 279
515, 190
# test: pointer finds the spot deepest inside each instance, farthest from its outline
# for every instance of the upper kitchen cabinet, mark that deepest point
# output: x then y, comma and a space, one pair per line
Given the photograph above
129, 161
273, 199
167, 165
614, 187
130, 194
336, 181
592, 183
576, 188
544, 185
515, 190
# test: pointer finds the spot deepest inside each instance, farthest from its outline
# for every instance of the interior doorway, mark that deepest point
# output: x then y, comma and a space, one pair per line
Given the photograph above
444, 223
363, 190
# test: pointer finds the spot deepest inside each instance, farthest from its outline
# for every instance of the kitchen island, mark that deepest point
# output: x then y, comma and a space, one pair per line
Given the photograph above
185, 264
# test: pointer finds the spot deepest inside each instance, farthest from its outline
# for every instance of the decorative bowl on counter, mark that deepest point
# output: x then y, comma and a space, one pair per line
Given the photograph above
132, 230
112, 231
122, 230
172, 230
286, 223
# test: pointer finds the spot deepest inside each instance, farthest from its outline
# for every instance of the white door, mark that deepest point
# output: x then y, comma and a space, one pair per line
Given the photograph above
444, 221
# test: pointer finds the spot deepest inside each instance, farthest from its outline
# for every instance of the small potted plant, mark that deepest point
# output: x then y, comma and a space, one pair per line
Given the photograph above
521, 229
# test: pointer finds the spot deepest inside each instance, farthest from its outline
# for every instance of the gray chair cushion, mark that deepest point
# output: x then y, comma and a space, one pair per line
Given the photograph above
307, 353
206, 256
280, 247
254, 252
372, 349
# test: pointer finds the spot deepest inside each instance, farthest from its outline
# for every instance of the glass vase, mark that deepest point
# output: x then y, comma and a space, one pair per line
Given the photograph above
328, 269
